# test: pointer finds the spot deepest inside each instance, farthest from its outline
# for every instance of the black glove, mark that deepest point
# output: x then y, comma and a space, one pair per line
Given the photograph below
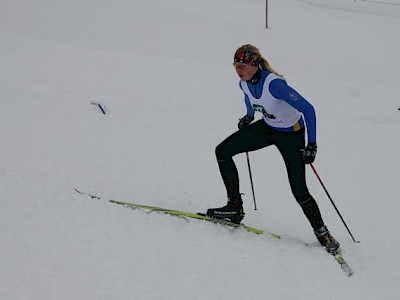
245, 121
309, 153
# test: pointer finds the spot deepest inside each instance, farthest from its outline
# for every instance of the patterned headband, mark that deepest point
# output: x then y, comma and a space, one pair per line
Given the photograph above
247, 57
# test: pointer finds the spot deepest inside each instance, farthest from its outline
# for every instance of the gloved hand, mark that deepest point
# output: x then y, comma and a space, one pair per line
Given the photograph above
309, 153
245, 121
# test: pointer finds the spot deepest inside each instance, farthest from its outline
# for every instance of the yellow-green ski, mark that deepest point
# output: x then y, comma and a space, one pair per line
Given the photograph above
190, 215
343, 264
184, 214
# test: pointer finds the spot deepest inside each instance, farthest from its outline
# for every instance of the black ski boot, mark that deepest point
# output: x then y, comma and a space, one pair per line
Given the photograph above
326, 240
233, 211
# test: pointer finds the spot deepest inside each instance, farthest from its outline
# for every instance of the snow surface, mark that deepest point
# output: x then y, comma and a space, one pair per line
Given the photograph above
163, 71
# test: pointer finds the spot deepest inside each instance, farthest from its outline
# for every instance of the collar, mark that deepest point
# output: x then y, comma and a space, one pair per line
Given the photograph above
256, 77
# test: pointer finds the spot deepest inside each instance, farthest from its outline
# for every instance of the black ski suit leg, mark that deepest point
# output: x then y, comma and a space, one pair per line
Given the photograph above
251, 138
289, 145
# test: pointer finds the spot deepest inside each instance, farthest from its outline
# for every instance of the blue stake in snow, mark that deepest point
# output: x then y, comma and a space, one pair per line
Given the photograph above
100, 107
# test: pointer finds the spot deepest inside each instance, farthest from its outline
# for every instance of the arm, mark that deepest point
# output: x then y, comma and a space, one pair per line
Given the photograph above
281, 90
249, 109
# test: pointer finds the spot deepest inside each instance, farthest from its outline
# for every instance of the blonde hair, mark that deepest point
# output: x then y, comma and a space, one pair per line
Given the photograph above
264, 64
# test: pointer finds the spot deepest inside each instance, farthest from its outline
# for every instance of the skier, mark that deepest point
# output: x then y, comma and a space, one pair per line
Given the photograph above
285, 114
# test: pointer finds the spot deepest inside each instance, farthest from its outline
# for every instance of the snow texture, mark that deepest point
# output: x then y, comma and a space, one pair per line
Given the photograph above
162, 72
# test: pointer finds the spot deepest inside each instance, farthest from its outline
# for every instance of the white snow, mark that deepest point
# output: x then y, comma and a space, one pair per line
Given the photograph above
163, 71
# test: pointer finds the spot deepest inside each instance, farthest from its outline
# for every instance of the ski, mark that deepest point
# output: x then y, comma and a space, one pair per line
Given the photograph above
183, 214
343, 264
201, 216
338, 257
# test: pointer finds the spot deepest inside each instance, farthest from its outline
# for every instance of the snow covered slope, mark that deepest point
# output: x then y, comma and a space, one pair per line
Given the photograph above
163, 71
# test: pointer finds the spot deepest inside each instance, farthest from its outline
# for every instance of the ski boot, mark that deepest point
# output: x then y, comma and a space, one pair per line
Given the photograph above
233, 211
327, 241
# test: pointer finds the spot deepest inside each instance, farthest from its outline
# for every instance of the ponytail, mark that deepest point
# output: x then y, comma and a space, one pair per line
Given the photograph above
264, 65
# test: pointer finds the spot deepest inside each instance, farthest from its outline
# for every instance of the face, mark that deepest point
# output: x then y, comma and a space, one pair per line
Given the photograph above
245, 71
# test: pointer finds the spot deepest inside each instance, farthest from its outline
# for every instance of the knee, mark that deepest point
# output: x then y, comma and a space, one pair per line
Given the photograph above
299, 187
222, 153
302, 196
305, 200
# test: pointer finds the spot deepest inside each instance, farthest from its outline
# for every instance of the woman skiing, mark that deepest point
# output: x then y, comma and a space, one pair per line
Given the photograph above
285, 114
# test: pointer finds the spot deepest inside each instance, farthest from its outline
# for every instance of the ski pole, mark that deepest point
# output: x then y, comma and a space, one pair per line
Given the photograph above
251, 180
330, 198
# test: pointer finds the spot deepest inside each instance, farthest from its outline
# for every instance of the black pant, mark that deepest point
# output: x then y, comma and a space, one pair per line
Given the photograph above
259, 135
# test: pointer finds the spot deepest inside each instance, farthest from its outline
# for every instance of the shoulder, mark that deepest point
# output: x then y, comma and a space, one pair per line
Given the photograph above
269, 77
277, 85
